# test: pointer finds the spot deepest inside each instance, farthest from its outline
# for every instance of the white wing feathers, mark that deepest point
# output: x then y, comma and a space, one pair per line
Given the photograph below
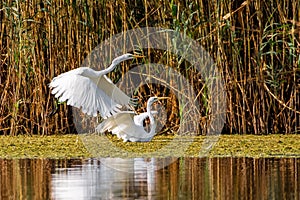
113, 91
123, 125
92, 95
139, 119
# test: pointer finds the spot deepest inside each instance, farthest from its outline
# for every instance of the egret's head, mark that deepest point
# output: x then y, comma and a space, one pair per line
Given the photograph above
151, 100
126, 56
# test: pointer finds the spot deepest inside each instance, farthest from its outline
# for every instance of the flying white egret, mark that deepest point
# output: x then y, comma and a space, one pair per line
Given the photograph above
91, 90
128, 126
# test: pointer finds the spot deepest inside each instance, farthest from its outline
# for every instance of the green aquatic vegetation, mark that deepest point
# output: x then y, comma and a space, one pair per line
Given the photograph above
87, 146
57, 146
258, 146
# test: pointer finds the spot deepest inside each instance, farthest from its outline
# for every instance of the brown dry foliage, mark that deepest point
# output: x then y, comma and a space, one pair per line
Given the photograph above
255, 45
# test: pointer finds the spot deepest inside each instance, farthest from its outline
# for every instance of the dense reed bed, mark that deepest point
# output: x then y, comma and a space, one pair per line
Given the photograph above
255, 45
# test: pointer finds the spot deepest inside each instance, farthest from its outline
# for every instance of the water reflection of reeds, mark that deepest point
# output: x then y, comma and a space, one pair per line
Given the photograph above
188, 178
25, 179
244, 178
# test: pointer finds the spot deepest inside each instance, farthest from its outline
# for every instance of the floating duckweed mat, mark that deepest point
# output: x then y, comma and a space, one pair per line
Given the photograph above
71, 146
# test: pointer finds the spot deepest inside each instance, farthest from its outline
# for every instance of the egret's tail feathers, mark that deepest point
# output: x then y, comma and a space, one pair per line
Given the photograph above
100, 128
115, 110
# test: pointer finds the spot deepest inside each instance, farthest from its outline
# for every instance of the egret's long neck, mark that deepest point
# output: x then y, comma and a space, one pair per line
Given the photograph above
109, 69
115, 62
152, 121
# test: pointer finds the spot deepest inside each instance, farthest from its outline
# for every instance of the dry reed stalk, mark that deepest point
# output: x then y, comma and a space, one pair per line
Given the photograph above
254, 44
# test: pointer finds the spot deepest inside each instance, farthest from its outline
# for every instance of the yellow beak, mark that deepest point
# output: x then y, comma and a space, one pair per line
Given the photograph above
160, 98
138, 56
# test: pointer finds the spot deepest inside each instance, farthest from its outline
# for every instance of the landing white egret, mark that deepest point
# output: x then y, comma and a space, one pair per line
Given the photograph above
91, 90
128, 126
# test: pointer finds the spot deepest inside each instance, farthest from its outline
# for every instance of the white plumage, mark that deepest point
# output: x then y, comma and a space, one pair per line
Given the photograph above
128, 126
90, 90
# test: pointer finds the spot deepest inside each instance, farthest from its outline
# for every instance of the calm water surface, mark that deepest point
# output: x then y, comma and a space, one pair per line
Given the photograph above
183, 178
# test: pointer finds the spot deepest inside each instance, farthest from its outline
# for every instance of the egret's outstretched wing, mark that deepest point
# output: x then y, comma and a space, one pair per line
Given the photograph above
113, 121
81, 92
122, 125
117, 95
139, 119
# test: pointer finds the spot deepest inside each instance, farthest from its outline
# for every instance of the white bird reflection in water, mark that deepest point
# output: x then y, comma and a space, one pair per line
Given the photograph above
185, 178
107, 178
